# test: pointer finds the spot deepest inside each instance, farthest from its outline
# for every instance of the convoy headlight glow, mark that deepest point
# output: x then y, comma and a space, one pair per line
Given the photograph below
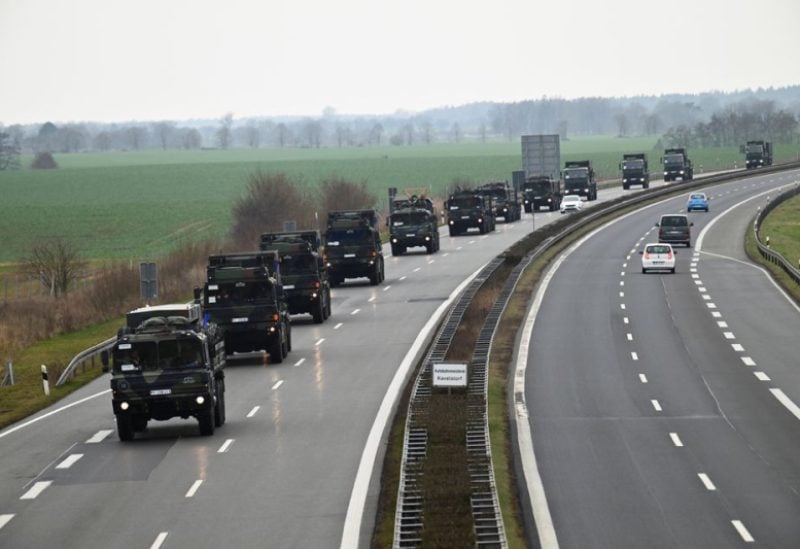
666, 173
314, 295
505, 209
200, 399
624, 180
272, 329
549, 199
394, 241
452, 222
681, 172
480, 220
427, 238
124, 406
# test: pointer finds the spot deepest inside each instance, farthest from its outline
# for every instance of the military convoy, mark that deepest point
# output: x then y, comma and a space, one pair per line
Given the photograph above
413, 223
303, 272
353, 246
244, 296
167, 362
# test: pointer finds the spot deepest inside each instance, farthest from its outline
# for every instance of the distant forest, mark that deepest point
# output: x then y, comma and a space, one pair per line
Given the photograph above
707, 119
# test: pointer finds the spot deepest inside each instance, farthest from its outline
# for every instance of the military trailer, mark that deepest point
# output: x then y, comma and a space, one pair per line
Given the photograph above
505, 198
167, 362
353, 246
244, 296
468, 209
634, 170
579, 179
541, 165
413, 223
303, 273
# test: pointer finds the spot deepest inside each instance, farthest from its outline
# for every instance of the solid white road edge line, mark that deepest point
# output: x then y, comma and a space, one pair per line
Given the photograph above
358, 496
48, 414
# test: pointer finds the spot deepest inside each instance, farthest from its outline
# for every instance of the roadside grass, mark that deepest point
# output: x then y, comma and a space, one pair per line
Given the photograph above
137, 205
26, 396
782, 225
780, 276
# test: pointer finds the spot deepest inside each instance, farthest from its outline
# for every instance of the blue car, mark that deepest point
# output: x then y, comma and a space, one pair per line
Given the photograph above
697, 201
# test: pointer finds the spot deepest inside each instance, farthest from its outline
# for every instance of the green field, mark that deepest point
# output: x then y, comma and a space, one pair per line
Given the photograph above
782, 225
137, 205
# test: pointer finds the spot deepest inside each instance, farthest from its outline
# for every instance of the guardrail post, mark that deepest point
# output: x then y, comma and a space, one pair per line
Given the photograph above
45, 382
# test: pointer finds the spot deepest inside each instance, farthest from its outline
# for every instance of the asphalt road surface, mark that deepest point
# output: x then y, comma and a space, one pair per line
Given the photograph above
662, 407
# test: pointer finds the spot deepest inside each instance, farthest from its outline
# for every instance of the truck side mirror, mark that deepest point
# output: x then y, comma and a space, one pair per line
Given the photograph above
104, 360
198, 295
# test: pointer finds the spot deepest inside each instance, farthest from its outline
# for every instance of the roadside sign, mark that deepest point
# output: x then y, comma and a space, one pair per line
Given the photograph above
449, 374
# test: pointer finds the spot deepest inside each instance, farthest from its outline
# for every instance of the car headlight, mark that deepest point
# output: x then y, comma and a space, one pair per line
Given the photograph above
272, 328
314, 295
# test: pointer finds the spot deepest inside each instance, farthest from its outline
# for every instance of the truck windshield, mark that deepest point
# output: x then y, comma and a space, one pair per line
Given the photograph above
755, 149
465, 203
142, 356
348, 237
293, 264
235, 293
401, 220
675, 159
633, 165
576, 173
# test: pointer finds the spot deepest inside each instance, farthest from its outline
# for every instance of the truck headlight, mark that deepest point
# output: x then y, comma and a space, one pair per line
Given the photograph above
549, 199
427, 239
200, 400
124, 406
681, 172
666, 173
452, 222
394, 241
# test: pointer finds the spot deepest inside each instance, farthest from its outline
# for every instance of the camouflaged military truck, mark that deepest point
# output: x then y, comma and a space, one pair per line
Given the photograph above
244, 296
167, 363
353, 246
413, 222
303, 273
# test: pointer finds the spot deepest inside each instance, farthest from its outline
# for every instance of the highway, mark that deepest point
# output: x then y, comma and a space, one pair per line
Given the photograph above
292, 465
662, 409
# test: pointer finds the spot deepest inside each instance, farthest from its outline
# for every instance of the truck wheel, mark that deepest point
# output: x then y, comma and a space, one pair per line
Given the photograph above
375, 276
528, 208
219, 409
328, 306
276, 350
124, 427
139, 423
319, 312
206, 422
429, 247
396, 250
452, 231
288, 339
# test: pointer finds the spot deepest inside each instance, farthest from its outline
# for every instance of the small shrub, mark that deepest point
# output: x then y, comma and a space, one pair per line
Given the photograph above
44, 161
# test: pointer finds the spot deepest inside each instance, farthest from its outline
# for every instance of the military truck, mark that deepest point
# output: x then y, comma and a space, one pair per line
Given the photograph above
757, 154
303, 273
353, 246
244, 296
413, 222
541, 163
167, 362
579, 179
541, 190
634, 170
467, 209
506, 200
677, 165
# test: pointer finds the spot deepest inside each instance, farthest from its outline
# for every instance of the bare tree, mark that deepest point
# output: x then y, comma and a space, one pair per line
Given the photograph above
427, 132
338, 193
312, 130
191, 139
136, 136
164, 132
376, 134
622, 124
102, 141
224, 131
482, 132
455, 131
55, 264
282, 134
252, 136
9, 152
408, 131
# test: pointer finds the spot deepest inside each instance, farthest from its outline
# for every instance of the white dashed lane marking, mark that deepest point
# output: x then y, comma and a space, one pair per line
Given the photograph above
159, 540
255, 409
748, 361
761, 376
355, 312
417, 270
4, 519
387, 288
225, 446
299, 362
643, 378
99, 436
193, 490
706, 482
737, 347
656, 405
36, 489
69, 461
339, 325
743, 532
277, 385
676, 440
319, 342
634, 356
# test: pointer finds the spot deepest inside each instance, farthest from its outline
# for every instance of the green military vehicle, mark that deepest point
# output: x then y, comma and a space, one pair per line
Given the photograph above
469, 208
353, 246
413, 222
244, 296
167, 362
303, 273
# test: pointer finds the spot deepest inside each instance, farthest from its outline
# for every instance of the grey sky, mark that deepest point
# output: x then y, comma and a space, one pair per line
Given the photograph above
115, 60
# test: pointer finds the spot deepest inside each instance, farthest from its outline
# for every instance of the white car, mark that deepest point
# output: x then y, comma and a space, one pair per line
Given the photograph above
658, 257
571, 203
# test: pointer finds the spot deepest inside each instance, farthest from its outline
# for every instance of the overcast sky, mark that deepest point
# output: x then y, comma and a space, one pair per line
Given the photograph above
119, 60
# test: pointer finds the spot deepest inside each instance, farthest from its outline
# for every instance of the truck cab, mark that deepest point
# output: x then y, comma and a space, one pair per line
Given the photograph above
244, 296
353, 246
677, 165
541, 191
303, 272
634, 171
469, 209
757, 154
412, 223
579, 179
167, 362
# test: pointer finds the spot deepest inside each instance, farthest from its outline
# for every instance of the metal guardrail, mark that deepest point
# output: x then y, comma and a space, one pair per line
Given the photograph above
82, 357
763, 248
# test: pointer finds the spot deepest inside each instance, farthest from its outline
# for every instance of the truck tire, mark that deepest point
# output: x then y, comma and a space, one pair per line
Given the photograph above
528, 208
124, 427
219, 409
276, 351
328, 305
288, 339
430, 247
375, 276
206, 422
396, 250
139, 423
319, 312
452, 231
